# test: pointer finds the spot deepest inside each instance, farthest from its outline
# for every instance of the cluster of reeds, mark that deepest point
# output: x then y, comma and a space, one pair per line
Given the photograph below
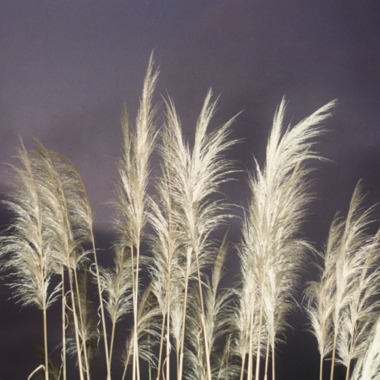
168, 264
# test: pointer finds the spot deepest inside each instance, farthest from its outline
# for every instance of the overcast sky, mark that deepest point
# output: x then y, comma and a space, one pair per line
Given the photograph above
68, 67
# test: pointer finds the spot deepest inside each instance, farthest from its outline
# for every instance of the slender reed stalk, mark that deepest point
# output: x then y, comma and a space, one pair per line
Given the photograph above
258, 353
160, 350
183, 322
63, 320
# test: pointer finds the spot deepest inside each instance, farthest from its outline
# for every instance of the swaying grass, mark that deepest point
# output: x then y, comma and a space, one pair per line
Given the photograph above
272, 247
368, 363
194, 176
165, 284
342, 307
132, 197
28, 244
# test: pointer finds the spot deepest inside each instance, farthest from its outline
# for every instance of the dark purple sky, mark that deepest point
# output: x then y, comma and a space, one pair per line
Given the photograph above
67, 68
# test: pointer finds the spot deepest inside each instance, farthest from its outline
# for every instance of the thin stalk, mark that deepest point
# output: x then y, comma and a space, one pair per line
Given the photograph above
39, 368
180, 366
136, 300
267, 360
134, 321
63, 324
45, 341
161, 346
134, 317
167, 359
333, 358
136, 367
125, 368
258, 354
82, 324
249, 373
46, 350
168, 292
107, 354
351, 344
242, 367
273, 360
149, 365
177, 358
348, 370
112, 339
203, 319
76, 327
